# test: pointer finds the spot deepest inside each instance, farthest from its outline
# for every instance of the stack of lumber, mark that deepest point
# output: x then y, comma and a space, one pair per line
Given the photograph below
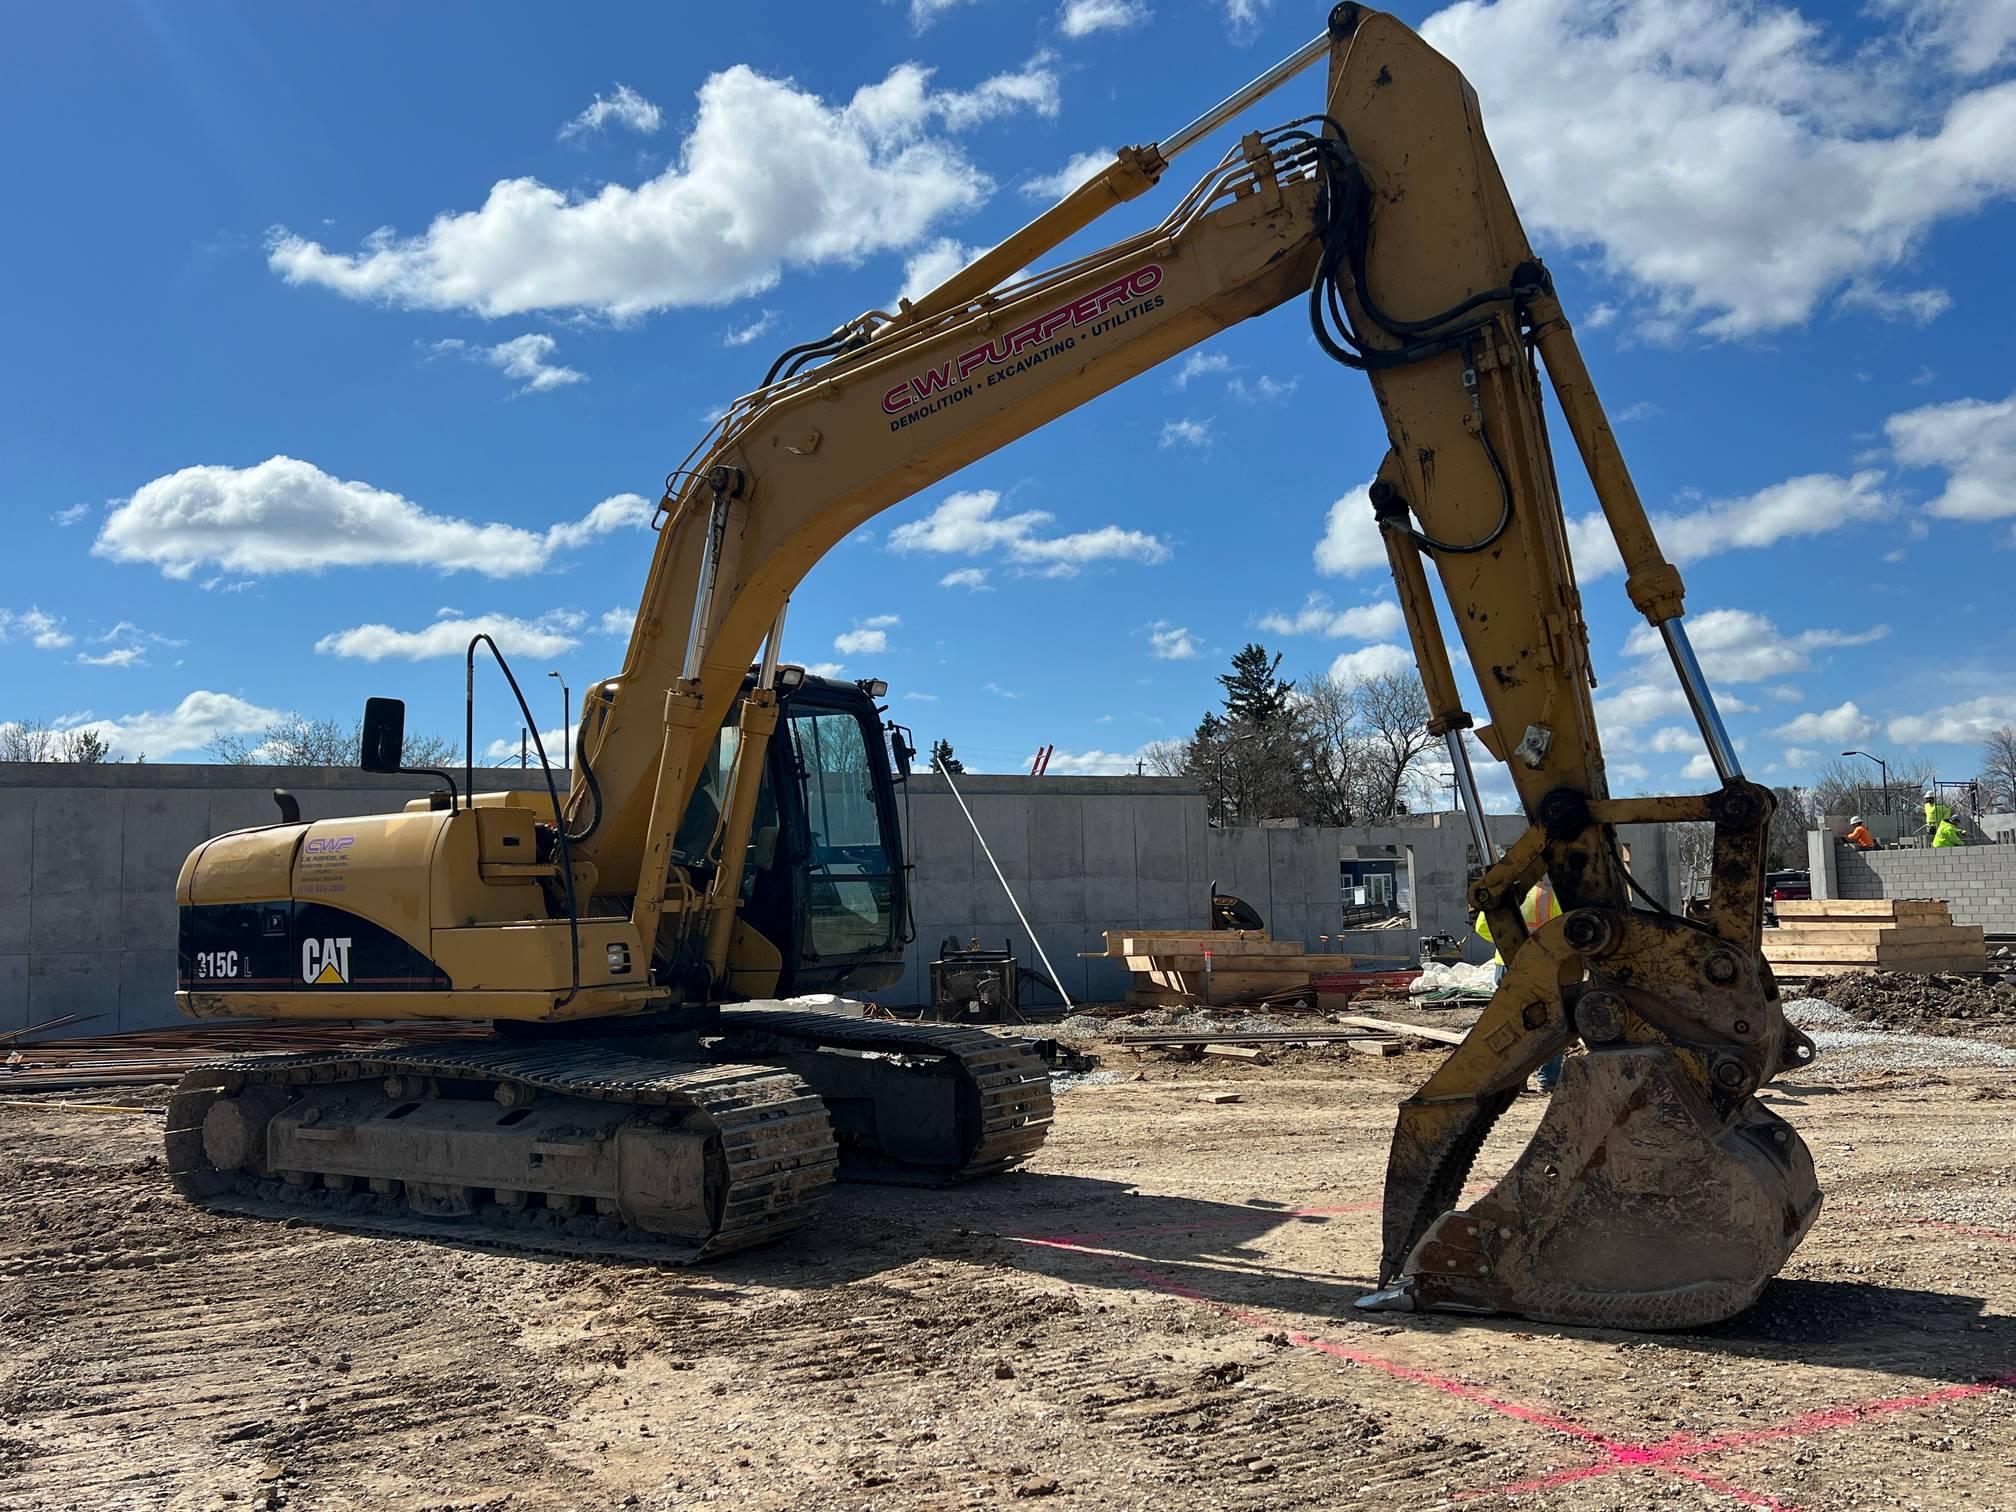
1826, 937
1179, 968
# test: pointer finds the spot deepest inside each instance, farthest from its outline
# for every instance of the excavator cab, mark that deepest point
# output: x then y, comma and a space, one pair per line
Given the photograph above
825, 903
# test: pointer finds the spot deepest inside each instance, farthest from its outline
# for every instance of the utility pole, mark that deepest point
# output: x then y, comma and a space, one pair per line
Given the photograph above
523, 762
566, 723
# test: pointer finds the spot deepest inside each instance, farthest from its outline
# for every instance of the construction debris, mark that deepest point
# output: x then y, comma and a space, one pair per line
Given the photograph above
1831, 936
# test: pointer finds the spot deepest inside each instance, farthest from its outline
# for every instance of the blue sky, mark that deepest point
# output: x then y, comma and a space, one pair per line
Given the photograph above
333, 330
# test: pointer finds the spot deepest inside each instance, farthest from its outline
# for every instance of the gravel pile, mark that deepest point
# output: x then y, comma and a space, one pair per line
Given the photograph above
1861, 1052
1847, 1047
1904, 1000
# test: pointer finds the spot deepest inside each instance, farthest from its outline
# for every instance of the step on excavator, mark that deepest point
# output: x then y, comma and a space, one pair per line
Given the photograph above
730, 835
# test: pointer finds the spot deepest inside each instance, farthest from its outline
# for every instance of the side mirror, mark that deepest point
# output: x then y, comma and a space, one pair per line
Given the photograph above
902, 750
384, 742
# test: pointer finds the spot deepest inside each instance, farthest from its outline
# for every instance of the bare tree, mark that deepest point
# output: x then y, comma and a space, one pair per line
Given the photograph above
1393, 710
295, 740
1998, 769
1847, 787
1785, 844
35, 740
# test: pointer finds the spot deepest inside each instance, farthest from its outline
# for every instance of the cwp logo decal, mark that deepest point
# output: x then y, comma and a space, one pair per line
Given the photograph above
326, 962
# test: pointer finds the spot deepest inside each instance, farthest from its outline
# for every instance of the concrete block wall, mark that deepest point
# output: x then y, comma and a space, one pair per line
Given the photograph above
1977, 881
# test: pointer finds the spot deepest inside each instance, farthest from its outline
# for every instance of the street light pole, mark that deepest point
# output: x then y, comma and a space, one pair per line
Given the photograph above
566, 723
1883, 767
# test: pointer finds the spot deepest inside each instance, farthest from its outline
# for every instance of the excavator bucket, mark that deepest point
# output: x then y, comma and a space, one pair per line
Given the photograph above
1657, 1192
1636, 1205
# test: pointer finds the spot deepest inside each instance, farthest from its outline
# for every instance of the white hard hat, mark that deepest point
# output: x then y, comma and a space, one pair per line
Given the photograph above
1930, 796
1856, 820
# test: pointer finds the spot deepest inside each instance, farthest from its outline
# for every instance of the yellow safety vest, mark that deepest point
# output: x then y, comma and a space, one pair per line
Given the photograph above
1539, 906
1947, 835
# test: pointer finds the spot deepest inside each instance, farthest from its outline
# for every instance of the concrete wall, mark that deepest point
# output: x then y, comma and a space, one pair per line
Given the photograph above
88, 861
89, 857
1977, 881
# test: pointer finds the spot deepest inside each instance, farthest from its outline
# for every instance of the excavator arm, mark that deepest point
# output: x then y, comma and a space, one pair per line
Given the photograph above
1657, 1191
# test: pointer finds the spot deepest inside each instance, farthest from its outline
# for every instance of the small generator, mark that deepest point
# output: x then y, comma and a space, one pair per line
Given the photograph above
973, 985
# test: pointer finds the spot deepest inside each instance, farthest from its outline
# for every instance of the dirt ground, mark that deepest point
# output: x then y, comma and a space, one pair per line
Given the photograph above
1156, 1315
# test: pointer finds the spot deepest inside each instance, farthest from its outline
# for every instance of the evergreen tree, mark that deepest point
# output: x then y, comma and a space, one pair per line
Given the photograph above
1254, 692
942, 759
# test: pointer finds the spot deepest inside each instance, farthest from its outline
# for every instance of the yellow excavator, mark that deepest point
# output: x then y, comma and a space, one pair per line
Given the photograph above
730, 833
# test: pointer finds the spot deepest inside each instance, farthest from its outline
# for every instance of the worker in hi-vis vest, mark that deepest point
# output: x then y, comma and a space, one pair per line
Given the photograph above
1936, 814
1948, 834
1539, 906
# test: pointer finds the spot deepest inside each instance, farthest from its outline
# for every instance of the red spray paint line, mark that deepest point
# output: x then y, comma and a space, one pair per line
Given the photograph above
1669, 1456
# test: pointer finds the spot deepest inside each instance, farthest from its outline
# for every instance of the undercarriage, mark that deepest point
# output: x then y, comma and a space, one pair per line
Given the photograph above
608, 1147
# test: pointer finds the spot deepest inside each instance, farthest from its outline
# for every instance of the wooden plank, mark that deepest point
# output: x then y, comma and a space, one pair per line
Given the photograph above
1239, 1053
1393, 1026
1373, 1047
1287, 965
1871, 955
1863, 933
1115, 938
1862, 908
1220, 1097
1197, 944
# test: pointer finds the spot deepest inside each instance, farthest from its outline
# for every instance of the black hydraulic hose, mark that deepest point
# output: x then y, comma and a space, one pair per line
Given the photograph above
559, 820
1345, 215
789, 352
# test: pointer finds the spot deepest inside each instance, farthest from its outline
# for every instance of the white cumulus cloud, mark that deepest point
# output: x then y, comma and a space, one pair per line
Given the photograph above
1974, 442
1742, 646
285, 515
742, 335
1195, 433
968, 524
1733, 165
548, 635
1372, 661
1372, 621
1845, 724
769, 177
1198, 364
1810, 505
1076, 170
1081, 18
1093, 763
1170, 642
618, 621
522, 358
625, 108
974, 579
870, 637
43, 631
192, 724
1351, 542
1966, 723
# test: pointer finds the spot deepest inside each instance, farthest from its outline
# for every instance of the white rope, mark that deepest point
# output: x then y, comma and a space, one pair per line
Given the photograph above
1055, 980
